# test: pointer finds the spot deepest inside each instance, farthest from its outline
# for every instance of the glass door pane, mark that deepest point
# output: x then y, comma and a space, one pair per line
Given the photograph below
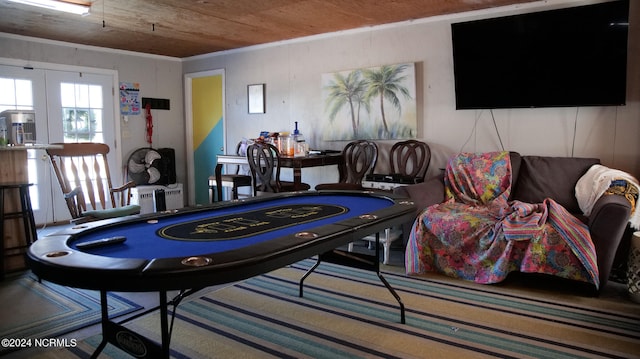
70, 107
80, 109
23, 89
82, 112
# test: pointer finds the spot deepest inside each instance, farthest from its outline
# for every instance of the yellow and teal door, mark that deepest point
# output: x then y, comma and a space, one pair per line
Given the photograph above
205, 130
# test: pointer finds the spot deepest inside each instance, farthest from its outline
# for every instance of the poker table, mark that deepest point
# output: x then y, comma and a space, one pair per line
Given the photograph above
197, 247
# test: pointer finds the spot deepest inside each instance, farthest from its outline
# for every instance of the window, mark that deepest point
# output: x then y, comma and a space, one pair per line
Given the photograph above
15, 94
70, 106
82, 112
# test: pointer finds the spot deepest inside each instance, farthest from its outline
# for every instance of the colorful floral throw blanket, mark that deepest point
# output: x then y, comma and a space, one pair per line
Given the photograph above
477, 234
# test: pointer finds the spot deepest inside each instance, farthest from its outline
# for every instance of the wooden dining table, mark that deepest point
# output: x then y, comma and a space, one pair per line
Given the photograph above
295, 163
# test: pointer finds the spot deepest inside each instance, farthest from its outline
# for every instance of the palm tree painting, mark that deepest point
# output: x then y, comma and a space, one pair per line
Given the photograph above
372, 103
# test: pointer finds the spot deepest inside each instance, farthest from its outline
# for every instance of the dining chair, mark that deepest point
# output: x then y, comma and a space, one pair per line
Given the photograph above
83, 173
410, 160
228, 180
360, 159
265, 170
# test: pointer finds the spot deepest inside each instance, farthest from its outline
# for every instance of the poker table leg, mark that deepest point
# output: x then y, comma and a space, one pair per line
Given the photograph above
131, 342
308, 272
395, 295
164, 324
355, 260
384, 281
104, 308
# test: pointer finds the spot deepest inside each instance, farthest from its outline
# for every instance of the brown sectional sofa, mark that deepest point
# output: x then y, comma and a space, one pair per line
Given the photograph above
536, 178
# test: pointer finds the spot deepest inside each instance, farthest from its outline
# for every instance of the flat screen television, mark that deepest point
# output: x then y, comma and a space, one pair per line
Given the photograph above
558, 58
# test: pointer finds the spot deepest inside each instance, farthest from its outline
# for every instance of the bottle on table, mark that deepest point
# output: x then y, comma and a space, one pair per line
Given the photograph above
299, 142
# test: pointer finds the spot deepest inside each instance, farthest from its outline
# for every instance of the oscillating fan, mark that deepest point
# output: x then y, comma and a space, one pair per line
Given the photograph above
142, 166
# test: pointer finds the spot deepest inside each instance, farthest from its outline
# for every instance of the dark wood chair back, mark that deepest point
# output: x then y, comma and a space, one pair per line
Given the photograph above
360, 158
410, 159
83, 173
265, 172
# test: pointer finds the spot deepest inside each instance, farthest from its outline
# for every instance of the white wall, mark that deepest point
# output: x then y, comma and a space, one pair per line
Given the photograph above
292, 72
159, 77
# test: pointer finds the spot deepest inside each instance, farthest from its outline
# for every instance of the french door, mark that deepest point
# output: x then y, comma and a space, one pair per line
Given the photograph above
70, 106
79, 109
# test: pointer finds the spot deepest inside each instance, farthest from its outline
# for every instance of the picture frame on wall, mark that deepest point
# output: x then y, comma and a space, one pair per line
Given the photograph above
256, 97
386, 108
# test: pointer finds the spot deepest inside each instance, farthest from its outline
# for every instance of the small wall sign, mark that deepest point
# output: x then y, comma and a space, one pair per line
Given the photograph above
256, 98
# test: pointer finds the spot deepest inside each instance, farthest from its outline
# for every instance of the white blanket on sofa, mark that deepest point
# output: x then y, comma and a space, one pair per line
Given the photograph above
595, 182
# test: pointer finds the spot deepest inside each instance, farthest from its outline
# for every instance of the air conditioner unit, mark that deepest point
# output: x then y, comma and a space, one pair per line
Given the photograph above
157, 198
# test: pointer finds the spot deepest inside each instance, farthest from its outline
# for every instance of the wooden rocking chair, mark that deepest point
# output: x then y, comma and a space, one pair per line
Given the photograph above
83, 174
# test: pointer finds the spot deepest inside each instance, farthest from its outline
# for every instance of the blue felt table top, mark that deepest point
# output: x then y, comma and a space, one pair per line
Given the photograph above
144, 242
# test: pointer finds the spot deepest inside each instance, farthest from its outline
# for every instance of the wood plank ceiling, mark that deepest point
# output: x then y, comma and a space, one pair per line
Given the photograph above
183, 28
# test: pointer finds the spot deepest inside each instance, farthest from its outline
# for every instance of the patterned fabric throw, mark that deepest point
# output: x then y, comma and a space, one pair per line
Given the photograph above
628, 190
477, 234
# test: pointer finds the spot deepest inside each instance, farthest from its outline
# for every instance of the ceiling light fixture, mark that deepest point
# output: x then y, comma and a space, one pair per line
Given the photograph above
74, 7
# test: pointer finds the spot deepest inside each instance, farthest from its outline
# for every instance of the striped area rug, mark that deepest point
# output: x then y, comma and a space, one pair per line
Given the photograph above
48, 310
347, 313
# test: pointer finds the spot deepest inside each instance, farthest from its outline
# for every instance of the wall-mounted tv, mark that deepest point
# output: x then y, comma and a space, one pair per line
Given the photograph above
558, 58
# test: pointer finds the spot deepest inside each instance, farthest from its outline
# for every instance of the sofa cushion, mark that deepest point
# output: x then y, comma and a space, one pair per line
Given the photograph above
551, 177
515, 159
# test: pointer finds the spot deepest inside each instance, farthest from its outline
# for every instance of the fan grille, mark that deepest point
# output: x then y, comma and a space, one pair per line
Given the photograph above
143, 166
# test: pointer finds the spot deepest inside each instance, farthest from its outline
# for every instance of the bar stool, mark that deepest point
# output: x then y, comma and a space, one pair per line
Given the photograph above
229, 180
217, 182
25, 213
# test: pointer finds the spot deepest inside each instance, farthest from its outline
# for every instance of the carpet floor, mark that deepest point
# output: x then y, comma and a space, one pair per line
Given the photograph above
32, 309
347, 313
